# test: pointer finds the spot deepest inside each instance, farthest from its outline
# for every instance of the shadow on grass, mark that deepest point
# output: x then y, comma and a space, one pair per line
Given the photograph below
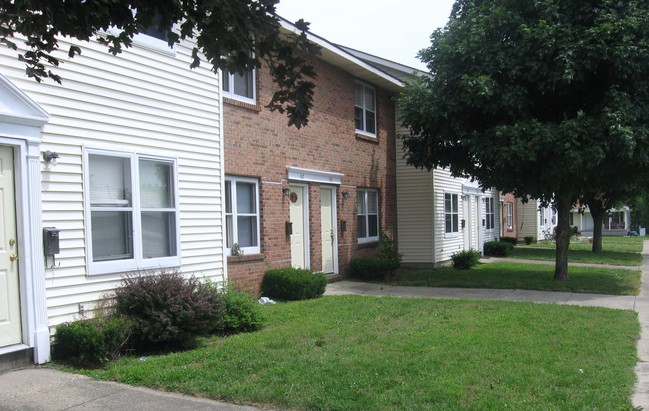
579, 256
527, 277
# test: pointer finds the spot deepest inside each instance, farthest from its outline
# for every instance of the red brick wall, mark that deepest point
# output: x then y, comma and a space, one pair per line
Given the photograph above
259, 144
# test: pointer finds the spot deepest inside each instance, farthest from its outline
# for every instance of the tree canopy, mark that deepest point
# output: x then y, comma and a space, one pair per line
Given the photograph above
234, 36
535, 97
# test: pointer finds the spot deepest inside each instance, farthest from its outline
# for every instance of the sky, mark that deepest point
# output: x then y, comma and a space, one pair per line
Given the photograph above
392, 29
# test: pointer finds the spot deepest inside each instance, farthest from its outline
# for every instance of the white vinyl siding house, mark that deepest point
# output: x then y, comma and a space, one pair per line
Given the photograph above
135, 112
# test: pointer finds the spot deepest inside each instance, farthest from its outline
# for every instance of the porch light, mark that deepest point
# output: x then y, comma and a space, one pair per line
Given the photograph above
50, 158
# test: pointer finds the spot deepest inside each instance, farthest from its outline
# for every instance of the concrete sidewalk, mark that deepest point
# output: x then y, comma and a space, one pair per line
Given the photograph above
45, 389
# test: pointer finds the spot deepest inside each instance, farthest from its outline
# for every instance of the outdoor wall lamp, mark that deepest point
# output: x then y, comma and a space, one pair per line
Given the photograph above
286, 191
50, 158
346, 195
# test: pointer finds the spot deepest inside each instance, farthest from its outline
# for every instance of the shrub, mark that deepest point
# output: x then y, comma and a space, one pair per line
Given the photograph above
290, 284
91, 341
388, 251
463, 260
370, 268
512, 240
168, 310
242, 312
528, 239
497, 248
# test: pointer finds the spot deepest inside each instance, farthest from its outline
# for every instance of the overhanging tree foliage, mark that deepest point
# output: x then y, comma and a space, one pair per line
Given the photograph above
533, 97
232, 35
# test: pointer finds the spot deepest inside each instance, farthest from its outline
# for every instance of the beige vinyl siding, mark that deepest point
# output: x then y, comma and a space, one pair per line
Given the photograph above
415, 217
447, 244
527, 218
140, 101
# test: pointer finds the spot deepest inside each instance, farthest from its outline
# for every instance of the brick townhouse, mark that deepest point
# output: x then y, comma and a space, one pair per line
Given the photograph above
314, 197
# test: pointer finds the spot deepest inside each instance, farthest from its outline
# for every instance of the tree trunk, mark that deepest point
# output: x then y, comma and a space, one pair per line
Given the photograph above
597, 211
563, 205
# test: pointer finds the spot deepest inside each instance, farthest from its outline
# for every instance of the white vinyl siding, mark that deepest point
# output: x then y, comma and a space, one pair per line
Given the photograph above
140, 101
242, 214
365, 108
367, 215
240, 87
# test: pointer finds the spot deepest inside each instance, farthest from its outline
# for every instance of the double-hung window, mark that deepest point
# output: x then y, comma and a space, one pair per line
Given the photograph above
541, 216
240, 86
133, 212
365, 109
490, 215
451, 214
510, 216
242, 214
367, 215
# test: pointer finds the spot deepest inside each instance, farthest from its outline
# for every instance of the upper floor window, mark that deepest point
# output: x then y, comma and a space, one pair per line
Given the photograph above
240, 87
242, 214
365, 108
132, 212
451, 213
490, 215
554, 216
510, 216
367, 215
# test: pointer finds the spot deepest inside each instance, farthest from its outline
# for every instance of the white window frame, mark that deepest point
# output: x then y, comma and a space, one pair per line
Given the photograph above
452, 212
149, 42
229, 77
138, 262
490, 213
554, 216
233, 195
542, 216
368, 239
509, 222
364, 131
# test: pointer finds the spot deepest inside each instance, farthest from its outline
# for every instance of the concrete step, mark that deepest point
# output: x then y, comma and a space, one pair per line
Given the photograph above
16, 359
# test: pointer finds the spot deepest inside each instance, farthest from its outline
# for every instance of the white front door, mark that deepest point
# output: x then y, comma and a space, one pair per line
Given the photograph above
328, 229
466, 221
299, 220
10, 329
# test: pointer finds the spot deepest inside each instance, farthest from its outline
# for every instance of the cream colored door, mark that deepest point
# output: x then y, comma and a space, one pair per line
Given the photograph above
298, 207
327, 229
10, 330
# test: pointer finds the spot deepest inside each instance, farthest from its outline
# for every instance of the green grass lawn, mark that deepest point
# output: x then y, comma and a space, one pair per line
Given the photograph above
369, 353
616, 251
527, 277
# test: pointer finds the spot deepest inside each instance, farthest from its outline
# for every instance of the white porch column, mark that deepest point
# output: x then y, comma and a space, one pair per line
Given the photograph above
35, 247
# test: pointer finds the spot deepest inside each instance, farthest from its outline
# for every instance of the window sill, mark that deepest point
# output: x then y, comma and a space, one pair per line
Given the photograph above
368, 244
234, 102
233, 259
367, 137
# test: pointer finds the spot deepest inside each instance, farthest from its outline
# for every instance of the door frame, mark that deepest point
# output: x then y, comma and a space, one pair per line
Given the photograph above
21, 125
334, 223
305, 216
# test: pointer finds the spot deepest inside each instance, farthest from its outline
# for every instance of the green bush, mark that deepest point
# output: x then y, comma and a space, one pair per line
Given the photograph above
463, 260
169, 311
242, 312
512, 240
370, 268
528, 239
92, 341
497, 248
388, 251
292, 284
